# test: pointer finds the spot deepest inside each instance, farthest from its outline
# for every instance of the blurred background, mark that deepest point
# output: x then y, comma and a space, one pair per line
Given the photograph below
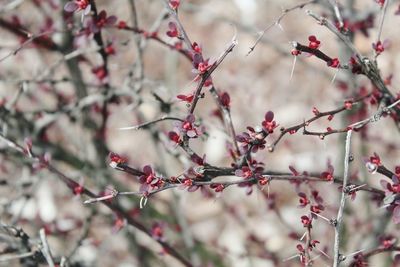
56, 102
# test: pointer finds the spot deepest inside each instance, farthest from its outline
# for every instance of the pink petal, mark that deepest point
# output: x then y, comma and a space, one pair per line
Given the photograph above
87, 10
384, 184
170, 34
197, 58
102, 14
269, 116
249, 190
239, 173
293, 170
94, 28
172, 26
111, 20
70, 7
396, 215
144, 188
147, 169
190, 118
193, 188
191, 133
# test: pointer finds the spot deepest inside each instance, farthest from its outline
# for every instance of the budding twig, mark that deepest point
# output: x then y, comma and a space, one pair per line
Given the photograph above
147, 124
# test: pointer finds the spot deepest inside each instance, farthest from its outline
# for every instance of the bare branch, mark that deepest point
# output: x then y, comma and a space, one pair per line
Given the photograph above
45, 248
339, 218
278, 21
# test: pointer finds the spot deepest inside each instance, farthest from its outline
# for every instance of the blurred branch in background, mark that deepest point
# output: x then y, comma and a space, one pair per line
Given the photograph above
171, 147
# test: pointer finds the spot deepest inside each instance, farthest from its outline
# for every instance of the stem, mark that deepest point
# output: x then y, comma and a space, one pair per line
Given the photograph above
339, 218
277, 22
45, 248
383, 15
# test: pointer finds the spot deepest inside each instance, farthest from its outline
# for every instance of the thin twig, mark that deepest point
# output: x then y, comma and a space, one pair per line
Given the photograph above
182, 31
272, 176
84, 235
369, 69
375, 117
297, 127
339, 218
10, 6
308, 248
277, 22
226, 115
5, 258
147, 124
382, 19
138, 66
31, 39
336, 10
45, 248
325, 22
207, 74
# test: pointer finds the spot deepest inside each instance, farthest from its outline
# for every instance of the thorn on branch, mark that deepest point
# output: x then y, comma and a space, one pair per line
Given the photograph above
143, 201
113, 194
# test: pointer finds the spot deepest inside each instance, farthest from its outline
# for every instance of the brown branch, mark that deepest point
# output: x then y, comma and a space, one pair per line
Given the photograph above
385, 171
209, 173
207, 74
319, 115
356, 126
156, 38
182, 31
316, 52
